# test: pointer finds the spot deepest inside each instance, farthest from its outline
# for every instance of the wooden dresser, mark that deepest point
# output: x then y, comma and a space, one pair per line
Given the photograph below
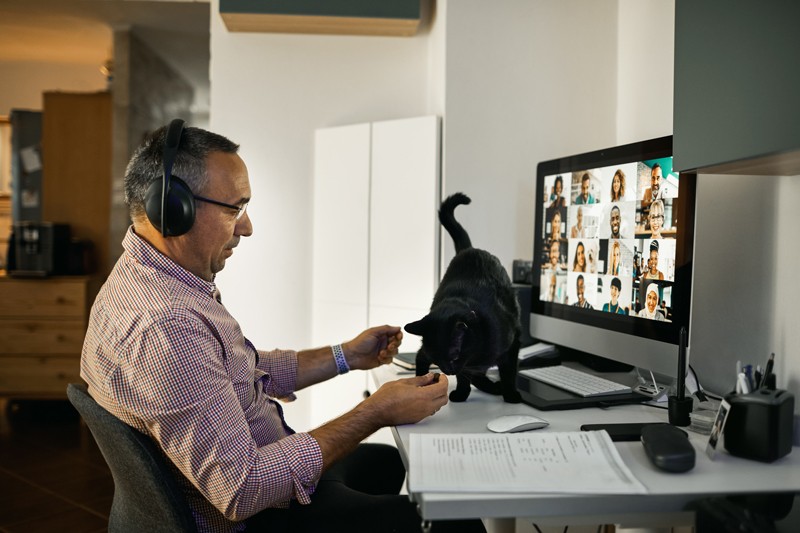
42, 325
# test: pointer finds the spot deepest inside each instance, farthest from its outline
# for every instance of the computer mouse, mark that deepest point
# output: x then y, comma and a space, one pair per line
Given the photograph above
516, 423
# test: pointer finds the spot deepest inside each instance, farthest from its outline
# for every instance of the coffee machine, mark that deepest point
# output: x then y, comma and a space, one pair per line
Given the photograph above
39, 249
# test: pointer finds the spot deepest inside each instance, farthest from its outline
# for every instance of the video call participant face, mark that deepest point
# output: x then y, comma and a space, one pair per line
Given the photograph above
558, 186
555, 252
551, 296
580, 289
615, 288
555, 225
616, 255
616, 221
580, 217
652, 263
585, 188
655, 179
656, 217
580, 258
652, 300
616, 186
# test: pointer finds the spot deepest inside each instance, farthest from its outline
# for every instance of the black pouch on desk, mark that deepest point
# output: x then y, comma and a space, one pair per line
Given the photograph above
668, 447
760, 424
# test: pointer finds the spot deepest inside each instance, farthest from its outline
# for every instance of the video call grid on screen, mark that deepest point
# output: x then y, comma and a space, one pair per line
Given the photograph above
609, 238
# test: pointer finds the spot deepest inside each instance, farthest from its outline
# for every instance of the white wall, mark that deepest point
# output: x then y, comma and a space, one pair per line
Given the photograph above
525, 82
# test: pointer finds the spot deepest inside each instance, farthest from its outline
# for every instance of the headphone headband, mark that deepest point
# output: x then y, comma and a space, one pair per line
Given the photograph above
170, 154
168, 201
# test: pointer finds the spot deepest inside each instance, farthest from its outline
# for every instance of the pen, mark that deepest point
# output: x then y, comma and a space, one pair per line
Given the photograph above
748, 374
742, 385
757, 376
768, 368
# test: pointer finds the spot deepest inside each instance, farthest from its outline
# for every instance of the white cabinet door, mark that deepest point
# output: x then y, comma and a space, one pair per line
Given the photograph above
404, 229
340, 258
376, 239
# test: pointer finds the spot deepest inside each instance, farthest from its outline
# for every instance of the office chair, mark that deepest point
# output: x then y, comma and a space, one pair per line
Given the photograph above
147, 496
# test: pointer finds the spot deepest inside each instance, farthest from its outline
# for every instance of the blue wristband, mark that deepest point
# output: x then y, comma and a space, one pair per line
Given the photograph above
341, 363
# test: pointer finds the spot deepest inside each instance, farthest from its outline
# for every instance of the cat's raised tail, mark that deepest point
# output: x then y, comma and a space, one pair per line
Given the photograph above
448, 220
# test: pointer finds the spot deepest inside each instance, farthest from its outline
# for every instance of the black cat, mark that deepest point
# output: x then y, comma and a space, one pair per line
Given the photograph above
473, 323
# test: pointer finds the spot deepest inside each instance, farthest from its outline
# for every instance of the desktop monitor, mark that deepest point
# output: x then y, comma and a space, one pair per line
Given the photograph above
612, 257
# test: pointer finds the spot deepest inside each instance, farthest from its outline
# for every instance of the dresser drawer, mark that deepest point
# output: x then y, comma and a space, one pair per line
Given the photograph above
41, 336
58, 298
38, 376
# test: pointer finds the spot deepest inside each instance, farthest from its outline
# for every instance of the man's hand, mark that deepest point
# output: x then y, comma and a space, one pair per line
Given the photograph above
374, 347
408, 400
404, 401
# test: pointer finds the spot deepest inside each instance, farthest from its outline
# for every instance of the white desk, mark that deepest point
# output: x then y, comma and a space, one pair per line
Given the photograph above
667, 493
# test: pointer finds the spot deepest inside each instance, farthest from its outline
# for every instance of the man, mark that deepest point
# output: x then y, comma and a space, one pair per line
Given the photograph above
585, 197
613, 306
164, 355
656, 191
615, 221
555, 256
580, 289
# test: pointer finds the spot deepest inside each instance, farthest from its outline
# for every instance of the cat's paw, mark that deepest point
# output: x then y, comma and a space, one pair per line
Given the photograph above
512, 397
458, 396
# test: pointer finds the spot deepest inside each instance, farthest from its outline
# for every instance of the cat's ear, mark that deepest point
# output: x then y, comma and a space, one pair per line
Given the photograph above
419, 327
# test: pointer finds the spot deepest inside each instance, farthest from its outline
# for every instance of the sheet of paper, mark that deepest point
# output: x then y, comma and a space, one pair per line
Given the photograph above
572, 462
31, 162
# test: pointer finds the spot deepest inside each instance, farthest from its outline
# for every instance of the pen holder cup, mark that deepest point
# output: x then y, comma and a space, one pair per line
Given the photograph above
760, 424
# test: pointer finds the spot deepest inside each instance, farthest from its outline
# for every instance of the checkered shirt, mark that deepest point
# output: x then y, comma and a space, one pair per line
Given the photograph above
164, 355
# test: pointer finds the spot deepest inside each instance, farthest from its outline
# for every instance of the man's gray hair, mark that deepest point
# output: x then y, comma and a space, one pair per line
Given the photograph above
147, 163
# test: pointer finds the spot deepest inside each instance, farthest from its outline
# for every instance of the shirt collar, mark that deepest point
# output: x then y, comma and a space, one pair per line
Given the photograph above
146, 253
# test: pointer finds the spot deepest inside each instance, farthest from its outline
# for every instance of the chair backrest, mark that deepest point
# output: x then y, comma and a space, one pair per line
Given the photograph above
147, 497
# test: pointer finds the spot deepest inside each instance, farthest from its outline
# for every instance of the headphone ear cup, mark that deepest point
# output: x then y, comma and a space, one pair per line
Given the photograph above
180, 206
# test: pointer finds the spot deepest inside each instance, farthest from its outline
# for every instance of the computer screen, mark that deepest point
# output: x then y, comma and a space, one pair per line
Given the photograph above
612, 256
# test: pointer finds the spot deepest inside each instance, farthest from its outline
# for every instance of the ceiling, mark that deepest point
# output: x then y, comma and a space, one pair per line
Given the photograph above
81, 32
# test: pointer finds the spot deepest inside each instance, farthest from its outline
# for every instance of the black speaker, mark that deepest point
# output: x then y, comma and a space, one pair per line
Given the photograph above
169, 202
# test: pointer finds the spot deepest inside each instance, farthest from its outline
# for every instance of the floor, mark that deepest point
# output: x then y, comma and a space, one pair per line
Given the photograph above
52, 476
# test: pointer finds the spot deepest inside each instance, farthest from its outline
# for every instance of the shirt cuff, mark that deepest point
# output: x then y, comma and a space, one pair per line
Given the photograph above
304, 460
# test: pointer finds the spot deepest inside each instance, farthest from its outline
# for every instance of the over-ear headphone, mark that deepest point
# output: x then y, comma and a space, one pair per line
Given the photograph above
169, 203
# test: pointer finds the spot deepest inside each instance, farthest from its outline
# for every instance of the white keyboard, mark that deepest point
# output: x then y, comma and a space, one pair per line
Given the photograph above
575, 381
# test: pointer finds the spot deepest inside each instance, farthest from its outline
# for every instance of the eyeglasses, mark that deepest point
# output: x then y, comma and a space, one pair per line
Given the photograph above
240, 209
657, 217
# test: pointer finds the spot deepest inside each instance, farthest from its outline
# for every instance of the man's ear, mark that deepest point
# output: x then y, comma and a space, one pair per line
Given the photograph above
419, 327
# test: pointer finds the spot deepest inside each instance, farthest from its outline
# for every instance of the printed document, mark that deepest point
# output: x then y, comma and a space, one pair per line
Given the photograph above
584, 462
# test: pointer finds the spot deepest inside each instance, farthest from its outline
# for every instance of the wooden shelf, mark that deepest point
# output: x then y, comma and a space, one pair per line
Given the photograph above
42, 326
